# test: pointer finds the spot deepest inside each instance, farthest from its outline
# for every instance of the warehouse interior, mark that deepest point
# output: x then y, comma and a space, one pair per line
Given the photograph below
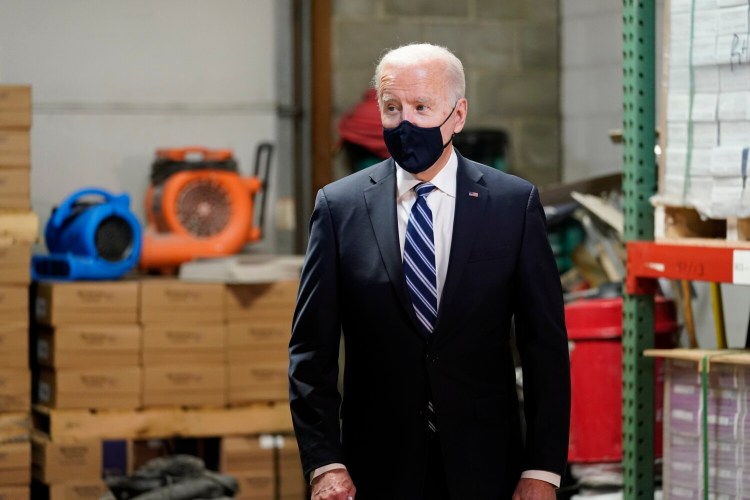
162, 345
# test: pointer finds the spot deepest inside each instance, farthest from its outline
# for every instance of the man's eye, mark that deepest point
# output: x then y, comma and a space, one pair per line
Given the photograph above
421, 107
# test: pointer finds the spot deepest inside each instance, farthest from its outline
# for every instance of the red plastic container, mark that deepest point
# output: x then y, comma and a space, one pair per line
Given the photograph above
595, 342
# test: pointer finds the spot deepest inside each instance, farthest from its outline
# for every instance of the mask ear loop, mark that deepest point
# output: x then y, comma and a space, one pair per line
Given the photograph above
444, 121
449, 114
449, 140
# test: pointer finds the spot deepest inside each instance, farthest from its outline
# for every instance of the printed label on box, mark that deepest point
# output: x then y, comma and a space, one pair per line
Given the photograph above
42, 349
741, 267
44, 392
41, 307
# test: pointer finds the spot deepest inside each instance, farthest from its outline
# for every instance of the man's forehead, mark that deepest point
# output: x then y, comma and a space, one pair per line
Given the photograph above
414, 83
418, 98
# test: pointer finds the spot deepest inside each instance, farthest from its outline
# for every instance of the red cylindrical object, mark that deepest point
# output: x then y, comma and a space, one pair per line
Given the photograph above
594, 335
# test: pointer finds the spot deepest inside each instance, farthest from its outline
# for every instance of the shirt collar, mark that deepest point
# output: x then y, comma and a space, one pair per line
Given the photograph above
445, 180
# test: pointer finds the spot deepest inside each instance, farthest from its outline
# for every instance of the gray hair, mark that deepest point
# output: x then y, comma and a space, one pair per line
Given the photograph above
415, 53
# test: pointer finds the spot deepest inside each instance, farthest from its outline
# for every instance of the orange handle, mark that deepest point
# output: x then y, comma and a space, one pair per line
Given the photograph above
179, 154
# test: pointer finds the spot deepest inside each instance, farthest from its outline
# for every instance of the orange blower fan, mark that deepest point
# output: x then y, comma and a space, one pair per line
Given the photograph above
199, 206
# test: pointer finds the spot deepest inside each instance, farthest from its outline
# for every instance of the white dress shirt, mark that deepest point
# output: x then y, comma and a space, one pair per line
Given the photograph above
442, 203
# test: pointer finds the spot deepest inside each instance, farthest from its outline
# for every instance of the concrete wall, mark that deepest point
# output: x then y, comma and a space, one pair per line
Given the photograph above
591, 86
509, 50
113, 80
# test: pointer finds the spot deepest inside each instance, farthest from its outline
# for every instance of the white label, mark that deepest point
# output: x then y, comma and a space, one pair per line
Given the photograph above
280, 443
683, 415
266, 442
44, 392
741, 267
684, 389
41, 307
42, 349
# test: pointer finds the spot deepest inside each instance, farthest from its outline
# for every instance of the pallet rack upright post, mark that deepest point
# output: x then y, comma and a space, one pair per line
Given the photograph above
639, 183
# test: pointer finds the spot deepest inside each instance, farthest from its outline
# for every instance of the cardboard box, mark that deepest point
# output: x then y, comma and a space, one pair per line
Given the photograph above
291, 479
59, 463
250, 382
15, 262
14, 345
190, 344
255, 302
15, 389
15, 188
258, 341
18, 227
255, 485
15, 493
97, 388
259, 333
14, 303
248, 355
15, 426
181, 302
15, 106
246, 453
181, 385
86, 346
78, 490
15, 149
105, 302
15, 463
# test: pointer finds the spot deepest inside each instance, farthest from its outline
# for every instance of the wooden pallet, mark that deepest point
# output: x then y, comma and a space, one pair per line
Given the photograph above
64, 426
684, 225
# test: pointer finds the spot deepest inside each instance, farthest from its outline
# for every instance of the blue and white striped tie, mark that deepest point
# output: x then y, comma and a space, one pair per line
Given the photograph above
419, 260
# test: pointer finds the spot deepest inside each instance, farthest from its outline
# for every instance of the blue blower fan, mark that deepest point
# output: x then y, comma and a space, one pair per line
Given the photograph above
92, 235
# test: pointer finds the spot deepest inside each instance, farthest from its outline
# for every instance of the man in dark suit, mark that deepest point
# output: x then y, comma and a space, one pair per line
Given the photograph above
423, 261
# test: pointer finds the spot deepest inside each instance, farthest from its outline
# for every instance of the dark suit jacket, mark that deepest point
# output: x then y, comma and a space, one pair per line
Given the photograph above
501, 266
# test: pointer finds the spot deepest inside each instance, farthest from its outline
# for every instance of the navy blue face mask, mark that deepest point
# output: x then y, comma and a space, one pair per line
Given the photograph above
414, 148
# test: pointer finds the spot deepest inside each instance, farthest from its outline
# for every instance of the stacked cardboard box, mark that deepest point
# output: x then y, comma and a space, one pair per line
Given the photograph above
259, 322
727, 427
184, 343
68, 471
15, 147
250, 460
708, 107
266, 467
87, 345
18, 225
292, 484
86, 351
15, 257
15, 455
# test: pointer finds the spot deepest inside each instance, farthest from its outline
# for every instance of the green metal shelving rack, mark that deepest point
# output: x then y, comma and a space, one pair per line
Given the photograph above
639, 183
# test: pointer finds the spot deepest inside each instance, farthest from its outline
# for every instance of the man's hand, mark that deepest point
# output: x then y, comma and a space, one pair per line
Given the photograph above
334, 485
534, 489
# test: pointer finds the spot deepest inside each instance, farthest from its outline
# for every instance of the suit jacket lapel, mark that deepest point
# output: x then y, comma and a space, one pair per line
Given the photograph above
380, 198
471, 199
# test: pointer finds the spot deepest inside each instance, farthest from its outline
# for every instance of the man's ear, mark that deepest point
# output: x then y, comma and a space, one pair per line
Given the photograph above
462, 108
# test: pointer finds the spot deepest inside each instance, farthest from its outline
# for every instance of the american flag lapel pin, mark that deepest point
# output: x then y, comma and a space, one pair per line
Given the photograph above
473, 194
